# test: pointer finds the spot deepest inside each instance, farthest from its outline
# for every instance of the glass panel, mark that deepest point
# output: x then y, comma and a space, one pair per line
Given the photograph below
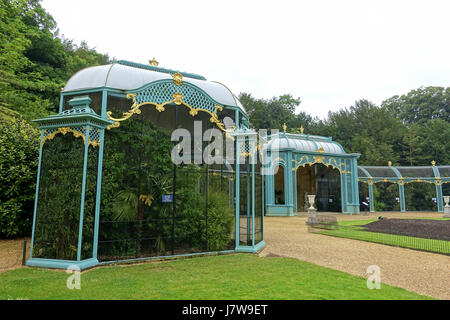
444, 171
416, 172
383, 172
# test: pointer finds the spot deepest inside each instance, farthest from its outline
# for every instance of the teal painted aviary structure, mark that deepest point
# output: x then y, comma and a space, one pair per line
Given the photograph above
106, 113
400, 175
294, 151
95, 102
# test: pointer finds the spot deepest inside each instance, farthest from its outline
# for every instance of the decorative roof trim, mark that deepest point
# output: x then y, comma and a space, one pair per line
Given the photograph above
159, 69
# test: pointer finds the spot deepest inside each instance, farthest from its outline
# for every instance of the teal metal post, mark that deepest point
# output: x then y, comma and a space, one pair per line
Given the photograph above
99, 180
36, 195
294, 189
401, 195
439, 198
237, 177
371, 198
252, 155
439, 195
83, 193
344, 195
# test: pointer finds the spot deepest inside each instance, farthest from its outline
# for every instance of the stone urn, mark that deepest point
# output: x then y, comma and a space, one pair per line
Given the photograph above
312, 216
447, 207
312, 200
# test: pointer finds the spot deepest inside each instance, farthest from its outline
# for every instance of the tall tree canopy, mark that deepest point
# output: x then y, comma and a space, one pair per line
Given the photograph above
35, 62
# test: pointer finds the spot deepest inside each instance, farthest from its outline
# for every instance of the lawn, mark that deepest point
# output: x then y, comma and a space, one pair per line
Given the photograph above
352, 230
235, 276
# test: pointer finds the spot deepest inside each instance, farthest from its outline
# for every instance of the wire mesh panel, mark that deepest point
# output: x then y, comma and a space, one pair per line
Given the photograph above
245, 204
328, 188
152, 206
258, 206
59, 197
386, 196
90, 200
420, 197
364, 196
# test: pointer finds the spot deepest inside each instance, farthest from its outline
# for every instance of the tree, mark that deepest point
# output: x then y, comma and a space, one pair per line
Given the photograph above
420, 105
272, 113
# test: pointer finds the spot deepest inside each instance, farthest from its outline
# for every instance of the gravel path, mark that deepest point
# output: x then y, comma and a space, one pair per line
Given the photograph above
421, 272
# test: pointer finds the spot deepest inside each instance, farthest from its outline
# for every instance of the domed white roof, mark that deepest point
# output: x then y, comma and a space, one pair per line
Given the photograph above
131, 76
305, 143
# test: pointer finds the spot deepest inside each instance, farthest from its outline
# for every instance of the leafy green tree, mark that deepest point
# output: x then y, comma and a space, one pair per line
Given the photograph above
19, 144
271, 113
367, 129
35, 62
420, 105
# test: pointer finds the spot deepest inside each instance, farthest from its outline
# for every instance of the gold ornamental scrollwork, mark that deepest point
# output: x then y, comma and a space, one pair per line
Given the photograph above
66, 130
178, 100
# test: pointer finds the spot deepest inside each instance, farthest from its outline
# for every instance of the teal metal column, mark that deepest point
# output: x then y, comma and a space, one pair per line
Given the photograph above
83, 193
237, 180
439, 195
401, 195
344, 195
288, 192
439, 198
294, 189
36, 195
99, 180
371, 198
252, 152
355, 189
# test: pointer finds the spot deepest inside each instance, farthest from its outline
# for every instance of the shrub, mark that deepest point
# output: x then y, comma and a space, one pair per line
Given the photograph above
19, 152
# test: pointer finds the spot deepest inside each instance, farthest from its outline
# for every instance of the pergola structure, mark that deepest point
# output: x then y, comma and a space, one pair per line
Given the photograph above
437, 175
303, 164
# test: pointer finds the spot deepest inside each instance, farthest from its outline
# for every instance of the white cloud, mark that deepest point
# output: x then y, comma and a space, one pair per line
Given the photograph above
329, 53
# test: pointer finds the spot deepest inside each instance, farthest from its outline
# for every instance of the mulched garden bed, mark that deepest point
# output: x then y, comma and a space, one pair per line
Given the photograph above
427, 229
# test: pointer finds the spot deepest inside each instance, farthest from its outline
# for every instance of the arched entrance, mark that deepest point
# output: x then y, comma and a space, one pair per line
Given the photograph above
322, 181
279, 186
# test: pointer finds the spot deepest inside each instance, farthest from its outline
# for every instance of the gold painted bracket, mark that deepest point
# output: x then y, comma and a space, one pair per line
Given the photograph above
76, 134
178, 100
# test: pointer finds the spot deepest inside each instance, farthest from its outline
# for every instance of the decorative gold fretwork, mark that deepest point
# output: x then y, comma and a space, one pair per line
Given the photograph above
76, 134
321, 150
331, 162
177, 99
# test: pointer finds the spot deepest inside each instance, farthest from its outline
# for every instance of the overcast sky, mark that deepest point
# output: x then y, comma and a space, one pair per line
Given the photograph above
328, 53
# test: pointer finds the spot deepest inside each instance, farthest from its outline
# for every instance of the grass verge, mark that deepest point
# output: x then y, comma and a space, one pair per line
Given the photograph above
237, 276
353, 230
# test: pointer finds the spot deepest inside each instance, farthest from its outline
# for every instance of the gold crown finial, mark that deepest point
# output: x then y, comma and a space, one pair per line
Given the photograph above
433, 163
284, 127
302, 130
153, 62
389, 163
